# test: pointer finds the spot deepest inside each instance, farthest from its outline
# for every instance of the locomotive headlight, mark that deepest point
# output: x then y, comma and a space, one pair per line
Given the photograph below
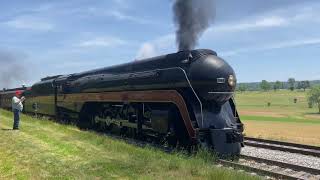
232, 81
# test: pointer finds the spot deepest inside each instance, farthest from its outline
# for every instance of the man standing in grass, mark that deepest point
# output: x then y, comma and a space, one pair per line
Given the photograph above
17, 107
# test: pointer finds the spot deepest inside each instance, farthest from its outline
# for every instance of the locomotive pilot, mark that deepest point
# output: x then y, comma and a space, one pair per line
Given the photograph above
17, 107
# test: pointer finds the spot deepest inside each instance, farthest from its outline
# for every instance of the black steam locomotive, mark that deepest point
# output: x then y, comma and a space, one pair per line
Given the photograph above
181, 99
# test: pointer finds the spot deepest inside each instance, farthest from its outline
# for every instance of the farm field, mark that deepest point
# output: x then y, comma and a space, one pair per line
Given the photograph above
283, 119
43, 149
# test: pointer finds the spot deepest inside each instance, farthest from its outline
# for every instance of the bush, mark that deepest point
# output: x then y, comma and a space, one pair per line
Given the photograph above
314, 96
310, 105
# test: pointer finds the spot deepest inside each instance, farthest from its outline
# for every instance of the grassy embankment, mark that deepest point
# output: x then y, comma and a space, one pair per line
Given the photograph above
44, 149
283, 120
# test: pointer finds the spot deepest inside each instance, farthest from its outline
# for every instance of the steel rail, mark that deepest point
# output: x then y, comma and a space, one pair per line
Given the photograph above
256, 170
282, 146
282, 164
303, 146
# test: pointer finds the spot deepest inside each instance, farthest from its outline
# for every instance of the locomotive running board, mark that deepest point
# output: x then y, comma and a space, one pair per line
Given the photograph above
171, 96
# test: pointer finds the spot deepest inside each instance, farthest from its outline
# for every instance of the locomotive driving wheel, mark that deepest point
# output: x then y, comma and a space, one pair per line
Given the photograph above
87, 117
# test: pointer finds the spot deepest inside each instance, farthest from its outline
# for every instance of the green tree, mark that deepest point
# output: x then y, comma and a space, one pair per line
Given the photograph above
314, 96
291, 82
307, 84
303, 85
242, 87
300, 85
277, 85
265, 85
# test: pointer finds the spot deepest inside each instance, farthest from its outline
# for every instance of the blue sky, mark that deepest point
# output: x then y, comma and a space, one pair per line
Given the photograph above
271, 40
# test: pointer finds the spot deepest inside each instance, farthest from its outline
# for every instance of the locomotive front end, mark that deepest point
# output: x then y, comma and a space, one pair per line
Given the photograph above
213, 78
214, 81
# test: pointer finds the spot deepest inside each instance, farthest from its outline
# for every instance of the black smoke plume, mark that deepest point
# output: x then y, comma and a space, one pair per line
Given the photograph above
192, 18
13, 70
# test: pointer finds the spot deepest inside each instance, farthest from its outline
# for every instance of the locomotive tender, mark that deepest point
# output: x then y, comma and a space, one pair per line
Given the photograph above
183, 98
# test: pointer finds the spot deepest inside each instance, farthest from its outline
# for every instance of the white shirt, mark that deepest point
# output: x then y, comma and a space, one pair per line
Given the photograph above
17, 104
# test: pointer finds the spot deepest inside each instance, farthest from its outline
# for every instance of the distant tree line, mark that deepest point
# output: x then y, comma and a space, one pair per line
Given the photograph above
264, 85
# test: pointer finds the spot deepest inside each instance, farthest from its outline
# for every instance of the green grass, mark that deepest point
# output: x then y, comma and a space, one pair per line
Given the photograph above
283, 120
282, 104
43, 149
280, 119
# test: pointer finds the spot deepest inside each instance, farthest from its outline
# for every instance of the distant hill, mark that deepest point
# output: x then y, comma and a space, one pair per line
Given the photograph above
255, 86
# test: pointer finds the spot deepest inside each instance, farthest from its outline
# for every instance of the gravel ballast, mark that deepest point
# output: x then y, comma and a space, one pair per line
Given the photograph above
291, 158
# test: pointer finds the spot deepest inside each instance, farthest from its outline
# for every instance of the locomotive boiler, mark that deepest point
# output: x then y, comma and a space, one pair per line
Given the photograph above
180, 99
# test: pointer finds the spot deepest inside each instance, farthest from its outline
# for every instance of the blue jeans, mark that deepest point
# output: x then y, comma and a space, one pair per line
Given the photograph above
16, 118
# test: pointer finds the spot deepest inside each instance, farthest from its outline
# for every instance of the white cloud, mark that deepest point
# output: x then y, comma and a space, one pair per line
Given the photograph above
293, 15
295, 43
74, 64
146, 50
262, 22
271, 21
278, 45
119, 15
121, 4
156, 47
116, 13
102, 42
288, 17
30, 23
163, 43
45, 7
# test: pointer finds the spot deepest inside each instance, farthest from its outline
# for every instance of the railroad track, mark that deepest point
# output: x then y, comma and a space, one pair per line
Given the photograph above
260, 166
283, 146
275, 169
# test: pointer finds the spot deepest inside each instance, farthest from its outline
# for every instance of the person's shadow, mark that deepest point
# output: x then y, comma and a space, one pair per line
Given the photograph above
5, 129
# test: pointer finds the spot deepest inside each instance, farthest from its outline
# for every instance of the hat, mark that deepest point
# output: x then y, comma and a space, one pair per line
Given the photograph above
18, 93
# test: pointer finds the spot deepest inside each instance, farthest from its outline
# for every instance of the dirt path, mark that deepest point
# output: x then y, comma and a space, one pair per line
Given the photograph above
260, 113
292, 132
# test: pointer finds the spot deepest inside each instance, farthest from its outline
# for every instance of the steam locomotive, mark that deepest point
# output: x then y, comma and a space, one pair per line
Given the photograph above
181, 99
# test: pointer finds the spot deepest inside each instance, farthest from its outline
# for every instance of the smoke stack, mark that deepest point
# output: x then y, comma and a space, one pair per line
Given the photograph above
192, 18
